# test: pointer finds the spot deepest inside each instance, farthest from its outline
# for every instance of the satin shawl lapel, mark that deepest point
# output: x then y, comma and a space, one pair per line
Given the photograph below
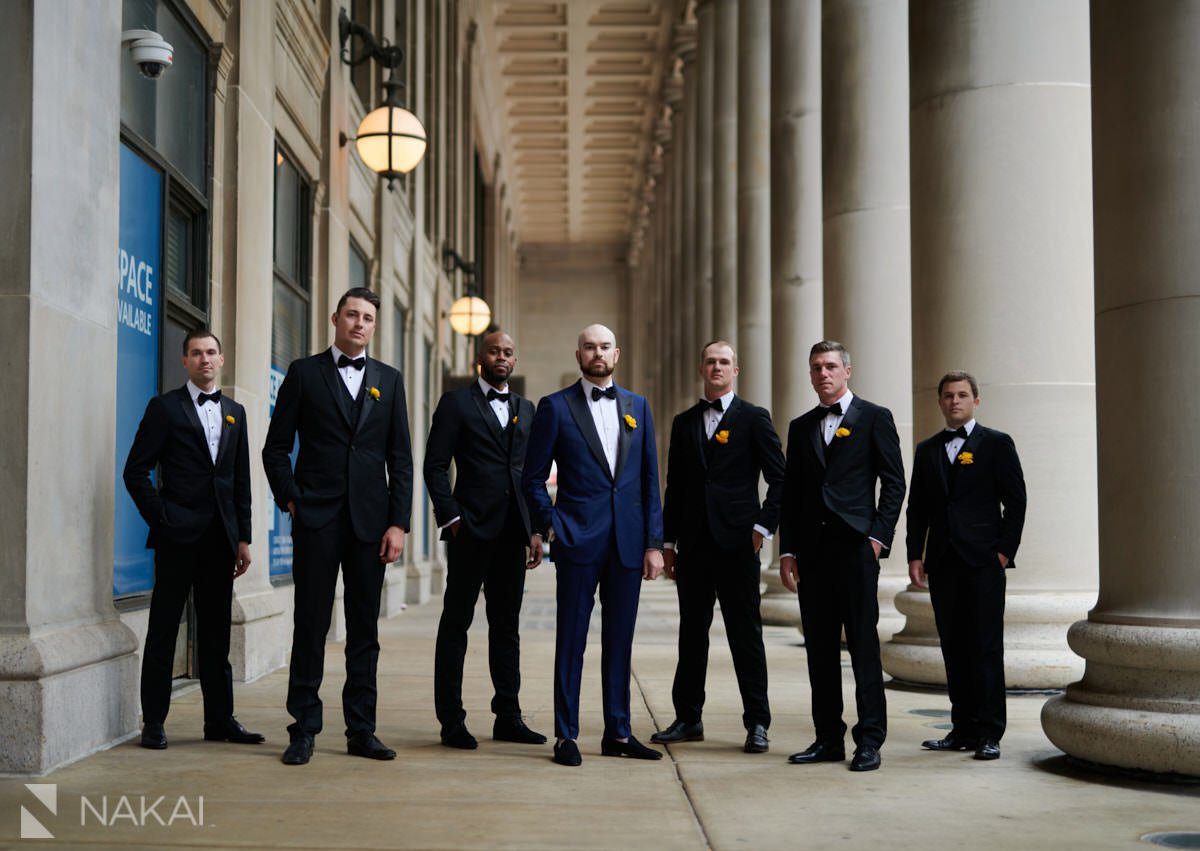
227, 410
578, 406
969, 445
727, 418
624, 432
815, 435
697, 426
515, 424
939, 461
485, 410
189, 410
369, 402
333, 381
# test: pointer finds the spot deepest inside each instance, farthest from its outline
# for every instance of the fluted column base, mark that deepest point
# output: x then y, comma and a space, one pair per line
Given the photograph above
1138, 704
890, 619
1036, 655
779, 606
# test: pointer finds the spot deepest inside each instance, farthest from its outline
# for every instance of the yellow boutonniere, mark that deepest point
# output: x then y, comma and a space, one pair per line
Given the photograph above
230, 419
842, 432
722, 436
965, 458
374, 391
514, 422
630, 421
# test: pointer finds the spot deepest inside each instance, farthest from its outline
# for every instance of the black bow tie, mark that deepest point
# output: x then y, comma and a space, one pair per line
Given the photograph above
357, 363
835, 409
214, 396
715, 404
609, 392
949, 434
496, 394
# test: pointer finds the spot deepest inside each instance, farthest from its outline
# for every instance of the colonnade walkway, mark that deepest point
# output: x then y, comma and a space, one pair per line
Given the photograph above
503, 795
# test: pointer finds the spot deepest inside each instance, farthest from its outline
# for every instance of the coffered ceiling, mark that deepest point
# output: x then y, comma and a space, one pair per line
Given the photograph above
579, 83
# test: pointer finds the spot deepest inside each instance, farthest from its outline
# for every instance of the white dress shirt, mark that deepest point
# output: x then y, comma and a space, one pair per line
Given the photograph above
351, 377
831, 423
499, 408
604, 415
956, 443
210, 417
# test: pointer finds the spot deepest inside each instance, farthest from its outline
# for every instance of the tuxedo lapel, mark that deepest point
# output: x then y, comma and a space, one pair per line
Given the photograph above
485, 410
227, 412
943, 465
815, 435
333, 381
701, 439
515, 424
369, 402
971, 444
727, 418
624, 432
578, 406
189, 410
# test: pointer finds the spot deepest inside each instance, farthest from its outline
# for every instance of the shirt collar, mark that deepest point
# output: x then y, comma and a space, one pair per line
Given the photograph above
338, 353
484, 387
845, 401
726, 400
970, 427
195, 391
608, 382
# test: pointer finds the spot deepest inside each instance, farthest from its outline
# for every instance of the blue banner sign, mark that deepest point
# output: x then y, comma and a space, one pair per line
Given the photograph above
279, 530
139, 259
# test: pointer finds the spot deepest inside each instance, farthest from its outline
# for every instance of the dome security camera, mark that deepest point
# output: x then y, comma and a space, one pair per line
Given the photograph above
150, 52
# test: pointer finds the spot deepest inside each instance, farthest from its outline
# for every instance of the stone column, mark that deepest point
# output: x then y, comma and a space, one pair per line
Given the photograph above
689, 341
725, 171
702, 233
866, 236
795, 234
1002, 271
68, 666
1138, 705
754, 201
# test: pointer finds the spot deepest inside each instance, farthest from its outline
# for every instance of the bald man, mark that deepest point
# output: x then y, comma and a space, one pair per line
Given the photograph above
605, 530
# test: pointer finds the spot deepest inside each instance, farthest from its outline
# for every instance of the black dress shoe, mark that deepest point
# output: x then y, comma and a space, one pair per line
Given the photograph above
819, 751
679, 731
631, 748
514, 730
566, 752
950, 743
299, 751
756, 740
988, 749
865, 759
231, 730
459, 737
365, 744
154, 736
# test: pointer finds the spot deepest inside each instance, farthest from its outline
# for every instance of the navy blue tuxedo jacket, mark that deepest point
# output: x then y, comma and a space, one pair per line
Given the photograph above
593, 505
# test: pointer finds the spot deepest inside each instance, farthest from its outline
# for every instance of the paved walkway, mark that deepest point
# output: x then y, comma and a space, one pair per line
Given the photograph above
702, 795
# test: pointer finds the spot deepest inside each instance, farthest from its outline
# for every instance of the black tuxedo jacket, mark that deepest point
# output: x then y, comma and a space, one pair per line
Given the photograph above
713, 485
191, 488
365, 461
488, 461
976, 509
841, 478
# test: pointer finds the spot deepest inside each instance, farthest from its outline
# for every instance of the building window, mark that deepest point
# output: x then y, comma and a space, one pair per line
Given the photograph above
293, 240
359, 265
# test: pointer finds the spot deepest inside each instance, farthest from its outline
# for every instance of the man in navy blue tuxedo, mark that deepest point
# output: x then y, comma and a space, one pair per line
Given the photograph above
605, 530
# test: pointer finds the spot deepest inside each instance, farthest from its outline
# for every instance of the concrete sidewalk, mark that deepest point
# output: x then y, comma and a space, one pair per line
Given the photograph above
706, 794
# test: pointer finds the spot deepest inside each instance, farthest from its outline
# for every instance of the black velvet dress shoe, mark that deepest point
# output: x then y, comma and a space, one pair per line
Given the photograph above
988, 749
819, 751
679, 731
865, 759
366, 745
459, 737
154, 736
299, 751
514, 730
631, 748
566, 752
951, 743
756, 740
231, 731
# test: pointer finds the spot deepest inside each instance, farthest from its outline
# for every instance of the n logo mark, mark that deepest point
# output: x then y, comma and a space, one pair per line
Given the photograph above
47, 795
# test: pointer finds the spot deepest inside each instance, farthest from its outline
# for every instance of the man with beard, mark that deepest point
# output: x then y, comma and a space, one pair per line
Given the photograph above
605, 528
483, 428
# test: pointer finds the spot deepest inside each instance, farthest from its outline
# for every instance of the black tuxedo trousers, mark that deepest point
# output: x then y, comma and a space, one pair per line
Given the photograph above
704, 573
203, 567
497, 566
839, 589
317, 555
968, 606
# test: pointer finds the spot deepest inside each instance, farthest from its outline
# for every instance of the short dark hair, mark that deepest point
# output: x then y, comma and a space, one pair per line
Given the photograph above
199, 334
704, 349
958, 375
830, 346
358, 292
481, 345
